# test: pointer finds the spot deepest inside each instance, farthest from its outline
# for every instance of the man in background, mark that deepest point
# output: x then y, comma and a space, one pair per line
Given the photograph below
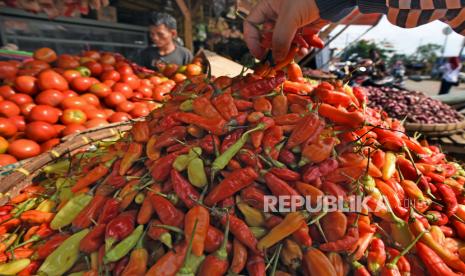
163, 35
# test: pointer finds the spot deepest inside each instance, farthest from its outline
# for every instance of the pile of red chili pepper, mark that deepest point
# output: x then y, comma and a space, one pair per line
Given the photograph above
183, 192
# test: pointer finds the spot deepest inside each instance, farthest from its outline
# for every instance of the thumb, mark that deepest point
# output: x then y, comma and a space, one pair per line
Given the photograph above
283, 34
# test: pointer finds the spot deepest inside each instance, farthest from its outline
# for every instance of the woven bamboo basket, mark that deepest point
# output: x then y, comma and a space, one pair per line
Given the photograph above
19, 175
435, 130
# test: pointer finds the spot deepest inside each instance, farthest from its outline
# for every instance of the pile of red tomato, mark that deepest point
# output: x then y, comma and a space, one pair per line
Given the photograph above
53, 96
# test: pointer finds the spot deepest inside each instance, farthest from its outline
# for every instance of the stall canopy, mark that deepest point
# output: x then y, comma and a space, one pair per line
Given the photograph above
358, 18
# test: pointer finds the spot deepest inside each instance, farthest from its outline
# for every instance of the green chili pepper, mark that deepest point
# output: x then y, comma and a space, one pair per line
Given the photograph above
186, 269
73, 207
14, 267
123, 248
139, 198
222, 161
187, 105
80, 273
64, 188
64, 257
24, 206
59, 167
258, 232
182, 161
196, 173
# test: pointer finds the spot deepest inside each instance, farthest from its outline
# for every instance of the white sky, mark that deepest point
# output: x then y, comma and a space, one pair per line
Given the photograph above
404, 40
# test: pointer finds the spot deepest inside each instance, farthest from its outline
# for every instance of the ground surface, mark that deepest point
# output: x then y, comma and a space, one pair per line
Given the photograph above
431, 88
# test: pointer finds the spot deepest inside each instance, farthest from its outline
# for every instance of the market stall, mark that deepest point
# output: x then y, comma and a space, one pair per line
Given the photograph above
217, 169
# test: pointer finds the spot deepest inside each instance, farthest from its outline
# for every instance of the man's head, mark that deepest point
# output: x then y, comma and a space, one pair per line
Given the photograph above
162, 29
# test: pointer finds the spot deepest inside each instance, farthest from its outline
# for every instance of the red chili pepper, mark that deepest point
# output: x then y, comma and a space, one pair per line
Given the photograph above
287, 157
114, 179
272, 137
434, 264
166, 211
44, 250
197, 218
333, 189
294, 72
243, 105
5, 209
360, 94
183, 189
449, 198
170, 137
170, 263
287, 119
224, 103
241, 231
215, 126
239, 257
209, 143
407, 169
376, 255
392, 197
360, 269
213, 239
119, 228
161, 168
120, 266
309, 127
279, 105
132, 154
459, 228
285, 174
204, 107
262, 86
254, 197
92, 176
217, 264
333, 97
311, 174
90, 213
449, 170
93, 240
167, 121
35, 217
233, 183
109, 211
436, 218
249, 158
256, 265
278, 186
343, 244
302, 235
341, 116
230, 139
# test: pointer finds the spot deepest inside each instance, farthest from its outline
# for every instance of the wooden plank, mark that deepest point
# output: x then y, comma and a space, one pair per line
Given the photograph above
188, 41
446, 140
458, 139
221, 66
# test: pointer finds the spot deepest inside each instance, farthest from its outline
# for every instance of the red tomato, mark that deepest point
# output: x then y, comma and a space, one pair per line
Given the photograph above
139, 110
119, 117
124, 69
91, 99
155, 80
7, 127
67, 62
3, 145
97, 122
153, 105
179, 77
126, 106
59, 128
169, 83
110, 75
26, 84
19, 122
73, 102
44, 113
100, 90
26, 108
108, 59
40, 131
108, 111
50, 97
146, 82
45, 54
73, 116
72, 129
114, 99
29, 72
50, 79
69, 94
137, 95
6, 159
81, 84
20, 99
132, 80
6, 91
91, 54
109, 83
95, 113
24, 148
123, 88
46, 146
7, 70
36, 65
108, 67
170, 70
145, 90
70, 75
95, 68
9, 109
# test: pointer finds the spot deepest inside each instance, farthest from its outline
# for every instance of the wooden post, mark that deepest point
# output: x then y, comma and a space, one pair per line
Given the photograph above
187, 24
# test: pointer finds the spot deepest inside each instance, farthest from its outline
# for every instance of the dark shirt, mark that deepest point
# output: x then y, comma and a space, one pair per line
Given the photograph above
150, 56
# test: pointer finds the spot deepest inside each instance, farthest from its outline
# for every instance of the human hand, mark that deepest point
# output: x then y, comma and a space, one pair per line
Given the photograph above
289, 16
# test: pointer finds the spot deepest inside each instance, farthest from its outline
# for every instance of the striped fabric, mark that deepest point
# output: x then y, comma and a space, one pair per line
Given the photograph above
403, 13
